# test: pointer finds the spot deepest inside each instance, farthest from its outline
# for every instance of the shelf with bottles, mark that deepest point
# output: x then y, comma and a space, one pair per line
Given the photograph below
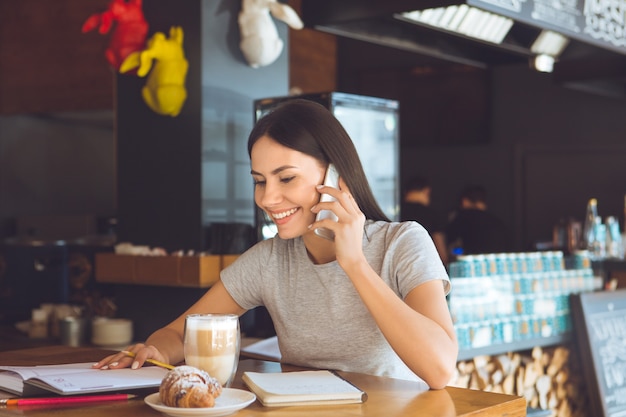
514, 301
603, 240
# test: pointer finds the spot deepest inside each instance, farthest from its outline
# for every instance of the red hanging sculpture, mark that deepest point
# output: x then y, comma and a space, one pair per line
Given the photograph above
130, 30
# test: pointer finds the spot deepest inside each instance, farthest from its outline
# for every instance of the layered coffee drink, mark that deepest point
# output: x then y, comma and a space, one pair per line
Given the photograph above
211, 343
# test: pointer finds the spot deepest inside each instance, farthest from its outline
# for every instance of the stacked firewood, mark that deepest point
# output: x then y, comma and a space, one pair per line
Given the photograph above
549, 378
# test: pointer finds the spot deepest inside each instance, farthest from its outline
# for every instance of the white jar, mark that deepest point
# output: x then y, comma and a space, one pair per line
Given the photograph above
111, 332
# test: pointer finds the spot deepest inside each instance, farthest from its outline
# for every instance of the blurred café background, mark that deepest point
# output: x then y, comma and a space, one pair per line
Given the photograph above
85, 165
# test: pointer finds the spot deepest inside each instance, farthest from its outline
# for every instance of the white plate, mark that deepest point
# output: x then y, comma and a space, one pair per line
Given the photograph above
227, 403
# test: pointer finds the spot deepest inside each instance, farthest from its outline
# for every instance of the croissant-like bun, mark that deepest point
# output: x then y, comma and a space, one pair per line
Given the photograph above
189, 387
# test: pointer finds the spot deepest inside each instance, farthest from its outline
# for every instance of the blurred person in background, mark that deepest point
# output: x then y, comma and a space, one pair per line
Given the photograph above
416, 206
473, 228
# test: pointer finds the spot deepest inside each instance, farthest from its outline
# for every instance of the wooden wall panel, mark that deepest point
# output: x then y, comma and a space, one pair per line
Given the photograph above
46, 63
312, 59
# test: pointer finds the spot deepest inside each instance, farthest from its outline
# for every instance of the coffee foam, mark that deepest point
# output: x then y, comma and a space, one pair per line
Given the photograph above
200, 324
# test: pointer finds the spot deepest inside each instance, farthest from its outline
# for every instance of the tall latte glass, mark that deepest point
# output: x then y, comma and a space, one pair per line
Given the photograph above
211, 343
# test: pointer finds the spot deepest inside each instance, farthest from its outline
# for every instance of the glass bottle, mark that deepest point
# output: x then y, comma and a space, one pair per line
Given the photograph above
613, 238
597, 248
589, 232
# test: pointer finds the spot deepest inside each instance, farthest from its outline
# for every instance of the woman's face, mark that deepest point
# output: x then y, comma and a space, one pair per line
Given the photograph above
285, 182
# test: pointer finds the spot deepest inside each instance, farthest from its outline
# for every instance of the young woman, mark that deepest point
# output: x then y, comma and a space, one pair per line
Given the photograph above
371, 301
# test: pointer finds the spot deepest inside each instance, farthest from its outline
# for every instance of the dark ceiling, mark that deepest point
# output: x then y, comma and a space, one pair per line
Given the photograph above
581, 65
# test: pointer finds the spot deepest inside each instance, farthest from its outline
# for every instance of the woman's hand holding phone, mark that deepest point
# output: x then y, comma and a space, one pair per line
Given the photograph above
348, 228
347, 232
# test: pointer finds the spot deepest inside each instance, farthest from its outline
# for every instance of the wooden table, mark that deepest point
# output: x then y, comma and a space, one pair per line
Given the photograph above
386, 396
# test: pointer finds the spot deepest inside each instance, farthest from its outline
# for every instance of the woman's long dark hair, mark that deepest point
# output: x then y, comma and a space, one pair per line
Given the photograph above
308, 127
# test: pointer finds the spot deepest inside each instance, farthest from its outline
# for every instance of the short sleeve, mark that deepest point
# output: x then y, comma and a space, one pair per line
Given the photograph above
243, 279
415, 259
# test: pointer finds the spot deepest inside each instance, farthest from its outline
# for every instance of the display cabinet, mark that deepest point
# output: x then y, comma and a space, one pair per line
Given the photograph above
514, 301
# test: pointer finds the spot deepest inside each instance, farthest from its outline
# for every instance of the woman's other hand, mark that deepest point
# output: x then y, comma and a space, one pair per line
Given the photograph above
124, 360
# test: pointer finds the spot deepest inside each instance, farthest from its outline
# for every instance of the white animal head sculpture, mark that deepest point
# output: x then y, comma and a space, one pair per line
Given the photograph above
260, 43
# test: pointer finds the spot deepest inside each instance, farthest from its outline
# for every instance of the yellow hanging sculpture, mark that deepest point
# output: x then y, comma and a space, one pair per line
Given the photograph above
164, 91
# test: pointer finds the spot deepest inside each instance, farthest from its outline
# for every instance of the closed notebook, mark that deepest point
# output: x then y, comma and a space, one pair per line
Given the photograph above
302, 388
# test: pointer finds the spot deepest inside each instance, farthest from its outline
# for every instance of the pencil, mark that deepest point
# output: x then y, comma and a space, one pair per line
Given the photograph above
65, 400
152, 361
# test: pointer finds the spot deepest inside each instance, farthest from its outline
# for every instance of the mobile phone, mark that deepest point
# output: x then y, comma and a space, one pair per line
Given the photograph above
331, 179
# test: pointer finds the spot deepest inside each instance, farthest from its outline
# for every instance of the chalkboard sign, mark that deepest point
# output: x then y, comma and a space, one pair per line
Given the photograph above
600, 324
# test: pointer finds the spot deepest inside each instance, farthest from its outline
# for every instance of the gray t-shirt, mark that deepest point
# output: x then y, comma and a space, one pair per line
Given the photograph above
318, 315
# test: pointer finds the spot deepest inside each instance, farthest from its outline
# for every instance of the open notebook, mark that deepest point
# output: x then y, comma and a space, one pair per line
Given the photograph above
76, 378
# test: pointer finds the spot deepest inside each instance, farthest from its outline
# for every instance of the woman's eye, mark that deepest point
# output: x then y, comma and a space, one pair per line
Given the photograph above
258, 183
286, 180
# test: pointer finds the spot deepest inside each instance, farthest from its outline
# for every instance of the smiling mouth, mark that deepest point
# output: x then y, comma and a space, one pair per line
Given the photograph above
284, 214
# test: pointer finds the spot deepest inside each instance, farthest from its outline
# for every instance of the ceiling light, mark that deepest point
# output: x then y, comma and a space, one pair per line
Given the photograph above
463, 19
549, 43
542, 63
